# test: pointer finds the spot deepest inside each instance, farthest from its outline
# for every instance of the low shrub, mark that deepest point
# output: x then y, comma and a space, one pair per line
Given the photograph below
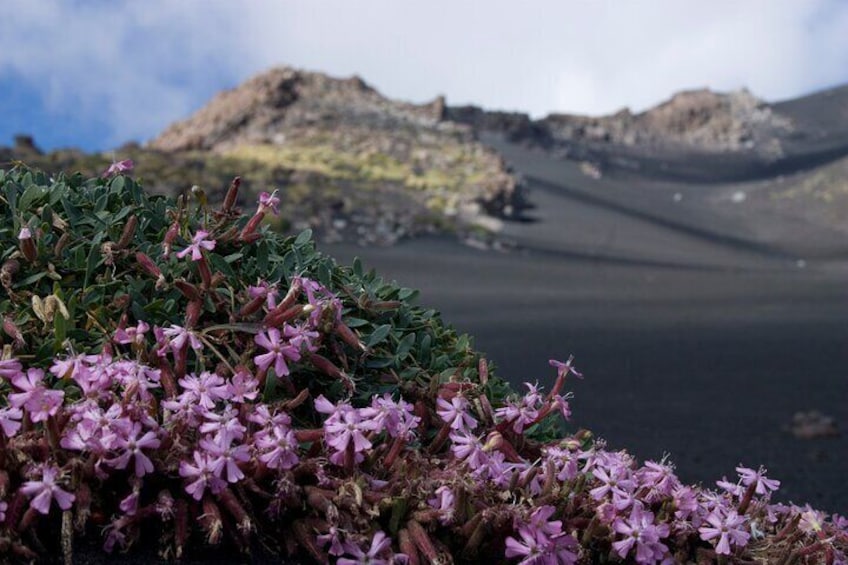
176, 373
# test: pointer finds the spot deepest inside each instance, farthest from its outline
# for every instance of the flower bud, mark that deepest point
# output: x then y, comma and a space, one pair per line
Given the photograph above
11, 330
7, 272
27, 244
147, 264
232, 195
170, 238
128, 233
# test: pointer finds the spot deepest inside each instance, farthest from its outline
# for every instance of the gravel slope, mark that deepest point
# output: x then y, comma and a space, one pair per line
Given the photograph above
699, 334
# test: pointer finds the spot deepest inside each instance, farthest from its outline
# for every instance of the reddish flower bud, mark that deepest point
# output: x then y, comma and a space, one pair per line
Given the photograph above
248, 234
422, 541
148, 265
193, 311
187, 289
232, 195
27, 245
170, 238
348, 336
128, 233
11, 330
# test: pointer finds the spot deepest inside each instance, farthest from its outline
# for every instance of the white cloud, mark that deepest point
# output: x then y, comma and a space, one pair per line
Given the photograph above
140, 65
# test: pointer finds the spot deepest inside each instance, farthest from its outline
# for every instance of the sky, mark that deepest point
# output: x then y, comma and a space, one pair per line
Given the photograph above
98, 73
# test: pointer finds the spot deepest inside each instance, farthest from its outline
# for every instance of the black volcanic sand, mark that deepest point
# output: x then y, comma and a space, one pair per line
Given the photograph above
699, 333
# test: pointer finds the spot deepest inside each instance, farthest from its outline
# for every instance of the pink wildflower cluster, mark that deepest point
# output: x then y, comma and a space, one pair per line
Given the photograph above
178, 426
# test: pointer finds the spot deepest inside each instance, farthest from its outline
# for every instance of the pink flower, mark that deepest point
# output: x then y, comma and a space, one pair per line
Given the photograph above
523, 413
301, 337
267, 291
131, 335
659, 478
242, 387
395, 417
132, 446
812, 521
334, 539
640, 531
179, 336
468, 448
565, 368
615, 481
10, 368
226, 456
537, 547
455, 413
443, 500
347, 428
277, 447
278, 351
727, 526
685, 502
39, 401
764, 484
269, 201
560, 404
198, 242
46, 490
10, 420
224, 422
202, 475
380, 544
205, 390
118, 167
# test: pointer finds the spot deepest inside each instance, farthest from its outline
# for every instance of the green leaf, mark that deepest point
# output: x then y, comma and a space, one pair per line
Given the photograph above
404, 347
30, 280
356, 322
31, 195
424, 350
231, 258
262, 256
270, 385
407, 294
117, 186
398, 513
91, 263
378, 335
60, 329
303, 238
379, 362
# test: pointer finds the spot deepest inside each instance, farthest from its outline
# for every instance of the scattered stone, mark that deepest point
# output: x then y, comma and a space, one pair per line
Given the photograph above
812, 424
738, 197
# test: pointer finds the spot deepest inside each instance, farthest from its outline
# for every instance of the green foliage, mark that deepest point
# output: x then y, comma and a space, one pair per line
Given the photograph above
85, 279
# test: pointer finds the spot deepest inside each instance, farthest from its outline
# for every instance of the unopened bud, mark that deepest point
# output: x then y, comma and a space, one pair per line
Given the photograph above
128, 233
61, 244
11, 330
187, 289
8, 271
232, 195
147, 264
27, 245
170, 238
193, 311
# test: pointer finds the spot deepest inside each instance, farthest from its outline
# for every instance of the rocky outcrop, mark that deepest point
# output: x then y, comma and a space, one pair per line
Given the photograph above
699, 119
379, 161
270, 106
696, 120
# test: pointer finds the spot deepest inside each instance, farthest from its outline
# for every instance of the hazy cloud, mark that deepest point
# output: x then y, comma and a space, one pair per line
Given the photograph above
137, 66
